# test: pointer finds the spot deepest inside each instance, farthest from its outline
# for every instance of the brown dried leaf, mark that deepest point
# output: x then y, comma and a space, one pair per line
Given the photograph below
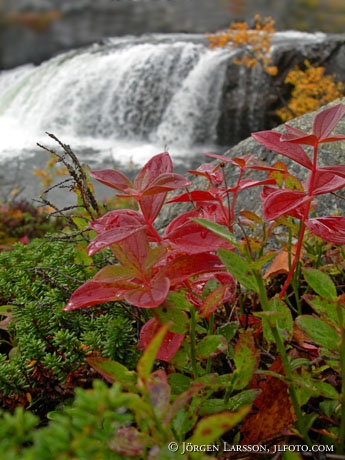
275, 413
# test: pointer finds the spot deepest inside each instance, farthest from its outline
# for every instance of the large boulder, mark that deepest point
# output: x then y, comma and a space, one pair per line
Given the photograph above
330, 153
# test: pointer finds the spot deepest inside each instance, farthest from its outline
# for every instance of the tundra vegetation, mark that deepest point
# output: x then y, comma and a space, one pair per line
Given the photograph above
226, 328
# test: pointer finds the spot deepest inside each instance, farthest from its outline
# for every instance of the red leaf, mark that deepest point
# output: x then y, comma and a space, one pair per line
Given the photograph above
248, 183
194, 195
117, 218
325, 182
324, 123
212, 173
112, 178
96, 292
112, 236
150, 294
171, 342
110, 284
191, 238
331, 228
282, 202
326, 120
272, 141
216, 299
183, 267
338, 170
165, 183
157, 165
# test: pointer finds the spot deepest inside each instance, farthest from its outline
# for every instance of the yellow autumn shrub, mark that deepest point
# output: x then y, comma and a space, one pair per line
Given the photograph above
311, 90
255, 42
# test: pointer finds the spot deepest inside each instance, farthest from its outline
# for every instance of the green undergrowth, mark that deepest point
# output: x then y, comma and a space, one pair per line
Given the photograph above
43, 349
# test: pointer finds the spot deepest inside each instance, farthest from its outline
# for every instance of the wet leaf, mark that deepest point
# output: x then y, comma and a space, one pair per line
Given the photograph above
238, 267
175, 316
244, 398
321, 283
113, 371
245, 358
210, 346
211, 428
275, 413
156, 333
279, 315
319, 331
331, 228
166, 348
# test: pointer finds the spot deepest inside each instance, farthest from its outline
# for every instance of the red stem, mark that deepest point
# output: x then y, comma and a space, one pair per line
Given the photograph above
303, 226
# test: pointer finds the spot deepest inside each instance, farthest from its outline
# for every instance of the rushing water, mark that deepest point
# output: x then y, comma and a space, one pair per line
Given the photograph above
124, 100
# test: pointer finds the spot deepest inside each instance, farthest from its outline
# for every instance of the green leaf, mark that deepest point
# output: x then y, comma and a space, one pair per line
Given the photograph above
146, 362
245, 358
219, 230
228, 330
209, 429
328, 407
177, 299
210, 346
112, 371
325, 308
186, 415
179, 382
319, 331
279, 315
6, 310
238, 267
321, 283
307, 388
178, 318
244, 398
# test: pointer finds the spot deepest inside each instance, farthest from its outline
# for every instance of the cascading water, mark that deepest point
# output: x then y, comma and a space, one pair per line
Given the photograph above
129, 98
125, 100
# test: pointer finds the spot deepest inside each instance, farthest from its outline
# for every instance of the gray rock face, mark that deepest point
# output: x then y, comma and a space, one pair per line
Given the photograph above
83, 22
251, 97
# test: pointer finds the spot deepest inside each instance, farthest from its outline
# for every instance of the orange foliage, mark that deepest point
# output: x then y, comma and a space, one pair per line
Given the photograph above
39, 22
50, 171
275, 415
311, 90
255, 42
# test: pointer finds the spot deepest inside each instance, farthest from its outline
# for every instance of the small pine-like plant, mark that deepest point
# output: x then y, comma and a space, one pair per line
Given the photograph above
42, 348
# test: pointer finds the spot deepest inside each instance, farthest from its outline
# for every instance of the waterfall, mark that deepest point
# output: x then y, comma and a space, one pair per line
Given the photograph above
125, 98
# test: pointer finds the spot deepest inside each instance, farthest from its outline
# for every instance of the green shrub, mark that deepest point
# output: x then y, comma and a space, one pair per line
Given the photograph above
43, 348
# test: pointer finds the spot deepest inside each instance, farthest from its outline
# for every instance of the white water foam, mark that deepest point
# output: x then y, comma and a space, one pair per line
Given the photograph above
124, 102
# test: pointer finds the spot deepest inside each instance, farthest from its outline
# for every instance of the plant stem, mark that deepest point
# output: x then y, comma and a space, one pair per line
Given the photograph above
193, 341
210, 331
341, 441
292, 391
280, 345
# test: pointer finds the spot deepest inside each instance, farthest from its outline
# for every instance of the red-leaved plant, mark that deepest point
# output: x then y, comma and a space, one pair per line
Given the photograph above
321, 180
149, 265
